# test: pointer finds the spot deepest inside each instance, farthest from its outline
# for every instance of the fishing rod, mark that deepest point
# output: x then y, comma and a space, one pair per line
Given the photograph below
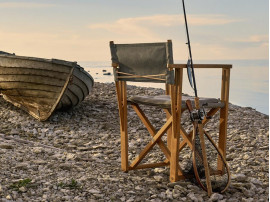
199, 154
204, 167
190, 61
199, 113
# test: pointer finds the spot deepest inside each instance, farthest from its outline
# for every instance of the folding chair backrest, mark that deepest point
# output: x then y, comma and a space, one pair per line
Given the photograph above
143, 62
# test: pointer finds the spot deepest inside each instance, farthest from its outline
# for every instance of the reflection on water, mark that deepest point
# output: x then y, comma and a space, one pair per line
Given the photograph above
249, 85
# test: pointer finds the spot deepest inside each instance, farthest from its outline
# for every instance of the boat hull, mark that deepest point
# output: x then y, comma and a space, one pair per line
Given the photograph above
41, 86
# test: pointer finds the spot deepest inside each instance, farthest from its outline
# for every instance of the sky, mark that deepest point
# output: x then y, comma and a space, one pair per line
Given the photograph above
81, 30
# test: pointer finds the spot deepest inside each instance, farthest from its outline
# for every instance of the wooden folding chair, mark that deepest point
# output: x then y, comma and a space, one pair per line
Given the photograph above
153, 62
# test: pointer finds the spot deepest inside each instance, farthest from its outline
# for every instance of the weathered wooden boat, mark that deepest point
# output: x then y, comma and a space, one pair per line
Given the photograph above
41, 86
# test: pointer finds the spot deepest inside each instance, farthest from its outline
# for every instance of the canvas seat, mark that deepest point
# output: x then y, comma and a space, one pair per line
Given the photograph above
164, 101
153, 62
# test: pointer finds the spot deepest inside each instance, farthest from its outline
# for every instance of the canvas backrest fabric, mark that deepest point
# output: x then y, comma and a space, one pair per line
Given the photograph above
143, 59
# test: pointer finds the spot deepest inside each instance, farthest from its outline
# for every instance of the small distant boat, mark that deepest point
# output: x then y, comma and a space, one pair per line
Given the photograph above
41, 86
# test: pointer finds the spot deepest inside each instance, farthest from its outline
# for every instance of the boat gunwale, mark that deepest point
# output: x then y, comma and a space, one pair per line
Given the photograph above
54, 61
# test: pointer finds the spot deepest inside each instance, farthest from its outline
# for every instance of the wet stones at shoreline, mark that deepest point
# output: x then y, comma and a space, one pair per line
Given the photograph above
75, 155
106, 73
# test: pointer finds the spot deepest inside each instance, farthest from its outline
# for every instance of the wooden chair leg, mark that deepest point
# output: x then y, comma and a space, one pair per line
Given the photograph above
174, 157
224, 115
122, 105
176, 102
168, 115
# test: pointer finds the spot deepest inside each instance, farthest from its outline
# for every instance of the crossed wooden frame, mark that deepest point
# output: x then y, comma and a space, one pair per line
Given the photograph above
172, 126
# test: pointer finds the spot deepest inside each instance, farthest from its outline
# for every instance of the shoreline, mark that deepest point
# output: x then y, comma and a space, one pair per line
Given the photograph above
243, 96
75, 155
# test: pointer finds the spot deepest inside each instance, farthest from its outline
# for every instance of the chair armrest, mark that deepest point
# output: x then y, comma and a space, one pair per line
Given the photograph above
225, 83
223, 66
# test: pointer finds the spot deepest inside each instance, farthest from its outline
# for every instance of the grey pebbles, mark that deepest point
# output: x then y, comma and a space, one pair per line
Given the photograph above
75, 155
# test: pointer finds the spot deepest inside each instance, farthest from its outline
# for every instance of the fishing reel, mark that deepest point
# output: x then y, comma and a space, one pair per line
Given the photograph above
199, 114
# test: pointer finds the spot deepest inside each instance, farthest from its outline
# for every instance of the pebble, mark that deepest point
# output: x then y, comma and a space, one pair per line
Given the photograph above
21, 166
6, 146
8, 197
22, 189
75, 155
192, 197
38, 150
94, 191
40, 162
216, 197
66, 166
239, 177
70, 156
255, 181
158, 178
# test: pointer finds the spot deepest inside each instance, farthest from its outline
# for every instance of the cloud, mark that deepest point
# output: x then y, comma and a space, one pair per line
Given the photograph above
150, 28
253, 40
91, 41
24, 5
259, 39
128, 27
132, 24
61, 45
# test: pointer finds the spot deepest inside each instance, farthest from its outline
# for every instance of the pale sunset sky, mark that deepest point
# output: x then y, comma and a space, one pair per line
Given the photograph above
81, 30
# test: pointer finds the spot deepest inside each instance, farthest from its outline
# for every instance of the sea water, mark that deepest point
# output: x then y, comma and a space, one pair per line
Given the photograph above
249, 81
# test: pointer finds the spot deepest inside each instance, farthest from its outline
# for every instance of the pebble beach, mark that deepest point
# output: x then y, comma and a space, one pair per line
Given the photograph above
75, 155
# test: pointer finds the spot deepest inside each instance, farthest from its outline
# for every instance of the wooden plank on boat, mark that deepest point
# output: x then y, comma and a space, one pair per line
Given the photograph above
15, 61
29, 71
33, 79
25, 85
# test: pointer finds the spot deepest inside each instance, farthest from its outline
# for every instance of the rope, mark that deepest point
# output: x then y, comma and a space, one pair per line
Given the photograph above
139, 76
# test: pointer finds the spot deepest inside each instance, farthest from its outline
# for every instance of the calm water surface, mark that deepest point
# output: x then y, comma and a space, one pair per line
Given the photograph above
249, 86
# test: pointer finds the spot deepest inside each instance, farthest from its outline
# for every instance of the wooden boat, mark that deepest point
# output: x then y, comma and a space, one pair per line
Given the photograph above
41, 86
